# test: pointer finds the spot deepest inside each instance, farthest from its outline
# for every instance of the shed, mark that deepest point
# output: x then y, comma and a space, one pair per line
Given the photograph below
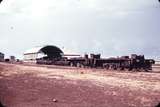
47, 52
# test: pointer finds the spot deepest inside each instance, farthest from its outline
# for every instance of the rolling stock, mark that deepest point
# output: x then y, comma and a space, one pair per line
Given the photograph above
132, 63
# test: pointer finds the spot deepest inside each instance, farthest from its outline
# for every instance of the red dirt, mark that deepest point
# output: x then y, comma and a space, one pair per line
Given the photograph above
31, 86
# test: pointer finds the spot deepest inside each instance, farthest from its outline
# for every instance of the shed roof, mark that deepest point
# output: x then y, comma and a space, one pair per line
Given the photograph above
33, 50
42, 49
1, 53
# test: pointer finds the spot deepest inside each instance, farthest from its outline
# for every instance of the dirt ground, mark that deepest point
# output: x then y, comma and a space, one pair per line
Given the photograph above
51, 86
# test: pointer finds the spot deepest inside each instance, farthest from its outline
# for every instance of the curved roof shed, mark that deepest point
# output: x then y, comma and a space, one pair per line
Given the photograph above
48, 50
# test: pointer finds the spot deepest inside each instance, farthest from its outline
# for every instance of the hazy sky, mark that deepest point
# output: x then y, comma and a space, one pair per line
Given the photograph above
110, 27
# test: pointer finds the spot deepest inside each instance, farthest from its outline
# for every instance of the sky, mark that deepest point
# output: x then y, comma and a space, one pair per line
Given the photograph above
109, 27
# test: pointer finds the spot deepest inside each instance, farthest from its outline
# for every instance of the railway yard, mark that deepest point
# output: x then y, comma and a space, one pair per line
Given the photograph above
57, 86
79, 53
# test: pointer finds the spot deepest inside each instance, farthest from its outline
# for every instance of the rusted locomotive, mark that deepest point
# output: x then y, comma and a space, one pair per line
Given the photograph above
134, 62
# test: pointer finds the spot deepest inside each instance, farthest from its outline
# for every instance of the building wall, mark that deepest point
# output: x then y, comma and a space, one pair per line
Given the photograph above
157, 62
30, 57
1, 57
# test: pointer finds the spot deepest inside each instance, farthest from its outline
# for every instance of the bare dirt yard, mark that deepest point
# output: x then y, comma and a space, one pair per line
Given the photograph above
51, 86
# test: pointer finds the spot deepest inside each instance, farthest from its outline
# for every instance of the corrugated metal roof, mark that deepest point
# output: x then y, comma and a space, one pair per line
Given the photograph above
33, 50
38, 49
1, 53
67, 51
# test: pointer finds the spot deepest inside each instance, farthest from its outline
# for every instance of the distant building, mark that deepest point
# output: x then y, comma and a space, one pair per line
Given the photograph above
12, 58
157, 62
45, 52
1, 57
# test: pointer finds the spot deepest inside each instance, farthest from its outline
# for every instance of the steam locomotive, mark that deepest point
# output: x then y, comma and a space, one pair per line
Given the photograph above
134, 62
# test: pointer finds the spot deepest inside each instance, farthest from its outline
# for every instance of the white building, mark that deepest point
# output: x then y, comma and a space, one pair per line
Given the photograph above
157, 62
